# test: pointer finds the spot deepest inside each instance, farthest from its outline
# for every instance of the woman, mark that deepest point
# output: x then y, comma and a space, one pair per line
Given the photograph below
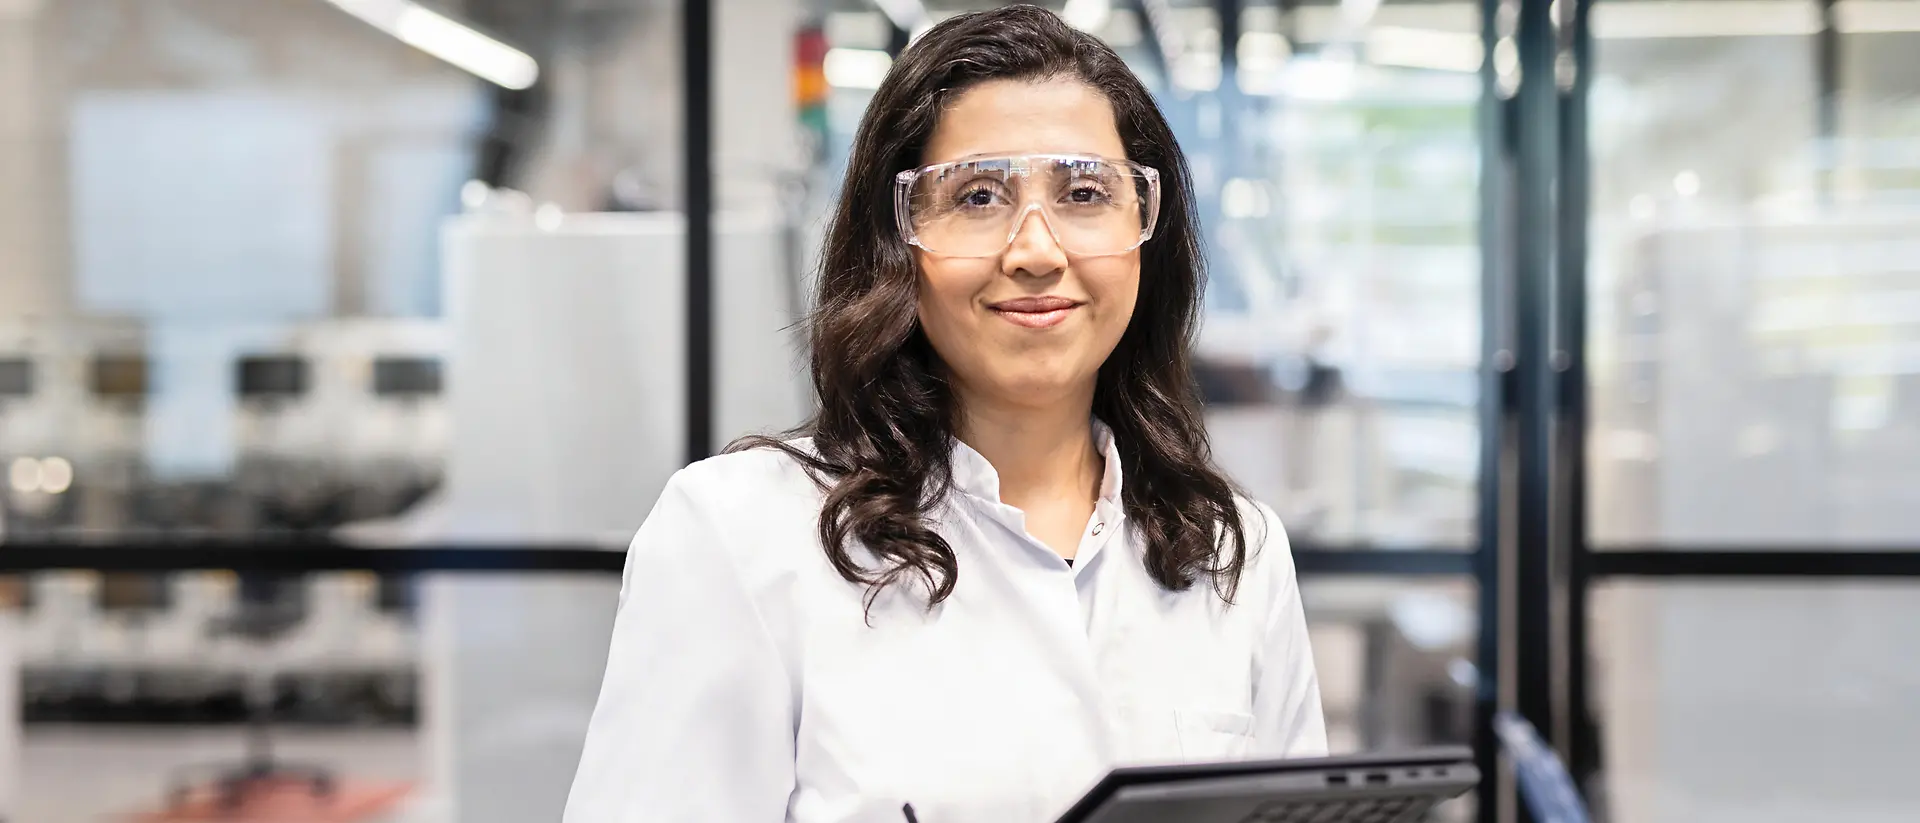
999, 559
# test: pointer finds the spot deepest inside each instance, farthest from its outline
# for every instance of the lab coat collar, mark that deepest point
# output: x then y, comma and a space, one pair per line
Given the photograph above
973, 475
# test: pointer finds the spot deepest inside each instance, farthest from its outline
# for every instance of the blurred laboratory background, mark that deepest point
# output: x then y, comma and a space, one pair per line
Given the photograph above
1577, 343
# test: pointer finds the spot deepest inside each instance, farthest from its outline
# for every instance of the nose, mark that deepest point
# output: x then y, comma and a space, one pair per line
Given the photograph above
1035, 251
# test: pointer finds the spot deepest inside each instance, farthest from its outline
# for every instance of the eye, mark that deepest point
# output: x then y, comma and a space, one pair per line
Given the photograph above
1086, 193
978, 194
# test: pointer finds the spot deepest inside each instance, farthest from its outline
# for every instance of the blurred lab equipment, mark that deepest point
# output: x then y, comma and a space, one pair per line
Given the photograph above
333, 421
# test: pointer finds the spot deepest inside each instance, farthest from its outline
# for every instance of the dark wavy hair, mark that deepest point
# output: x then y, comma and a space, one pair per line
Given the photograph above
883, 435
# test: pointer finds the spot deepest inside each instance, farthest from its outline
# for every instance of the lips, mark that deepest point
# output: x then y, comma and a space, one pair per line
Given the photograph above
1034, 304
1035, 312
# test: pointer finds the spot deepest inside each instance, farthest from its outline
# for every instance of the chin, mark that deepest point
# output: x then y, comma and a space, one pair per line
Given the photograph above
1038, 390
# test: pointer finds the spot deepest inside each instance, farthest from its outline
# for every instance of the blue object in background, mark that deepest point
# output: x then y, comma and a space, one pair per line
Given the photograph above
1545, 786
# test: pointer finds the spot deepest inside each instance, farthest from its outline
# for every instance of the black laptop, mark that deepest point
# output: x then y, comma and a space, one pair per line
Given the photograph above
1372, 788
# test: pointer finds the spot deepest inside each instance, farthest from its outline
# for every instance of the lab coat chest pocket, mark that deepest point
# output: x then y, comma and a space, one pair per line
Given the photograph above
1149, 734
1213, 735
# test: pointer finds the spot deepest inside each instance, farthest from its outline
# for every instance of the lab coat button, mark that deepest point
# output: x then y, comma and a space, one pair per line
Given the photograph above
1099, 527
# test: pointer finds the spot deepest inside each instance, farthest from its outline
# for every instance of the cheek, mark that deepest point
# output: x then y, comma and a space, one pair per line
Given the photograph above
1114, 285
947, 292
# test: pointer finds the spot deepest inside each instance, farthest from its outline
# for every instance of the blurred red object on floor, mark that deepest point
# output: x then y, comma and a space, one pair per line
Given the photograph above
289, 801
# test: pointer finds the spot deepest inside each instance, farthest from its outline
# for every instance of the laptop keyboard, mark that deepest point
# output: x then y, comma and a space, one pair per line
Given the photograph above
1351, 810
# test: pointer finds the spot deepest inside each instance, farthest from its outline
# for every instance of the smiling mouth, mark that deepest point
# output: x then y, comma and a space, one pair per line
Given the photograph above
1036, 319
1035, 312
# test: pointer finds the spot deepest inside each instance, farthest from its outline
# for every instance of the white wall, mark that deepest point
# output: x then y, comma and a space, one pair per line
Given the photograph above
32, 191
566, 401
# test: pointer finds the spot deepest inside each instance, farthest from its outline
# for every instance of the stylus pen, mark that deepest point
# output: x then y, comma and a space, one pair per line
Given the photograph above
908, 811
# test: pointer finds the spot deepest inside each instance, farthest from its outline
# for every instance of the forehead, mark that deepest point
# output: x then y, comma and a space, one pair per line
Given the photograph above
1060, 116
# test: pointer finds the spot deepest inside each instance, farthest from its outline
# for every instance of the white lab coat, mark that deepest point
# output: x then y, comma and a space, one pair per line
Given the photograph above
746, 685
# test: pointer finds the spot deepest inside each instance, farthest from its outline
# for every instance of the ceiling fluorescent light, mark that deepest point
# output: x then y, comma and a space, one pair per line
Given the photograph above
856, 68
1424, 49
1877, 16
1087, 15
447, 39
1358, 13
1663, 19
1328, 78
1637, 20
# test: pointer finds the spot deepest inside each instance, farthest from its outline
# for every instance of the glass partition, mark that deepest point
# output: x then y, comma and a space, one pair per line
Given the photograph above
421, 698
445, 696
1757, 701
239, 243
1752, 270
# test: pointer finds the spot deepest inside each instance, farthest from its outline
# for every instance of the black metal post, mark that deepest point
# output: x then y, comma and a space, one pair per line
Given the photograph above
1826, 70
1496, 370
1229, 13
696, 51
1582, 742
1826, 78
1536, 379
1233, 105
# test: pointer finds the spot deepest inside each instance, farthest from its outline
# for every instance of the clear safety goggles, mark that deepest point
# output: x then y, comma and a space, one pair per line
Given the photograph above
1093, 206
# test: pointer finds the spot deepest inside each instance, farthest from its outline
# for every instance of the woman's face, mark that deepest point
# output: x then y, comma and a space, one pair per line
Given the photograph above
993, 319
